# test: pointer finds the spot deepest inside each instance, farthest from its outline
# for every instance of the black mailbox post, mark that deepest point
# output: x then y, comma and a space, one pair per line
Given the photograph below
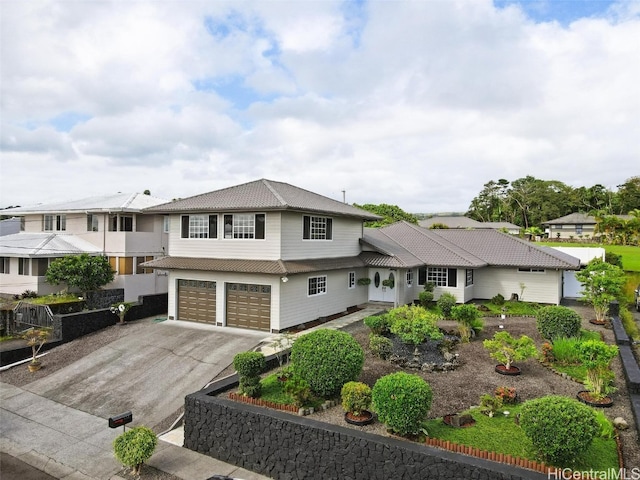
120, 420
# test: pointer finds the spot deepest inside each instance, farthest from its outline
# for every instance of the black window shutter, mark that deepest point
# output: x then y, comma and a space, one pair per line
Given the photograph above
452, 277
422, 276
213, 226
185, 226
306, 227
329, 228
260, 226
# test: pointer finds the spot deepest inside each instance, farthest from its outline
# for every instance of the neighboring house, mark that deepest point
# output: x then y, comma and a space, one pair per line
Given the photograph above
470, 264
114, 226
571, 286
466, 222
267, 255
575, 226
9, 226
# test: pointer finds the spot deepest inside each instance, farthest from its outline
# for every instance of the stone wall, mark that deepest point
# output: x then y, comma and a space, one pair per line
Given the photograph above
284, 446
104, 298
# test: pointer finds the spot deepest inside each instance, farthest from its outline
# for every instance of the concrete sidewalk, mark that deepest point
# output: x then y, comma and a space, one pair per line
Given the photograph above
74, 445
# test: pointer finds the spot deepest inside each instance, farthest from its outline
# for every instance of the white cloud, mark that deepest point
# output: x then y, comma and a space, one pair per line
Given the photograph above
411, 103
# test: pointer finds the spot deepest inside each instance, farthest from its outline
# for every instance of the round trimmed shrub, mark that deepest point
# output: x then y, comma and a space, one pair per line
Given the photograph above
249, 366
446, 302
556, 321
425, 298
135, 446
327, 359
402, 401
380, 346
559, 427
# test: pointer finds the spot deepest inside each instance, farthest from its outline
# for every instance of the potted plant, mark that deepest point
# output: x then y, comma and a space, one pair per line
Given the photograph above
121, 309
356, 401
596, 356
35, 338
506, 349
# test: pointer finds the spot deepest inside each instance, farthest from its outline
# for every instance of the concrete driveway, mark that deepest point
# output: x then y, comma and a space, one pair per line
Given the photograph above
148, 372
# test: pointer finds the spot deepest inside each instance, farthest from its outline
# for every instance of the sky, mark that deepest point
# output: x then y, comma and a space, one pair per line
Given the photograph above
411, 103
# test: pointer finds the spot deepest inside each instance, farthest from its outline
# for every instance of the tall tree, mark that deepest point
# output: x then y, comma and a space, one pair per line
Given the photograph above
628, 197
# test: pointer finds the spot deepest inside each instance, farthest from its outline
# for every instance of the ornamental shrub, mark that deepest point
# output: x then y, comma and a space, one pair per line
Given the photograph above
414, 324
356, 397
379, 324
402, 401
134, 447
327, 359
299, 389
249, 366
446, 302
556, 321
380, 346
498, 299
468, 318
425, 298
559, 427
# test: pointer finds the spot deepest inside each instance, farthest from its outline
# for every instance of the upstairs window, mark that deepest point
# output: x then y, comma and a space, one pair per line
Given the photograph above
199, 226
92, 222
55, 223
125, 222
317, 228
244, 226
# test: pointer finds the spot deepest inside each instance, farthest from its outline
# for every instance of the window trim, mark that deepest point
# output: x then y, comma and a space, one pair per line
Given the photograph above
209, 224
313, 232
5, 265
54, 222
259, 226
320, 286
351, 282
93, 222
531, 270
24, 266
409, 278
468, 277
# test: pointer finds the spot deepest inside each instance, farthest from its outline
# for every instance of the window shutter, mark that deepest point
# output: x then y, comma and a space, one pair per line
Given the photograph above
329, 228
306, 227
185, 226
452, 277
213, 226
260, 226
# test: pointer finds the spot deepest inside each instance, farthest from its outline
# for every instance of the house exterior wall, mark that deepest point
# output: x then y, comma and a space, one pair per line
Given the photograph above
249, 249
539, 287
345, 241
140, 284
14, 284
571, 231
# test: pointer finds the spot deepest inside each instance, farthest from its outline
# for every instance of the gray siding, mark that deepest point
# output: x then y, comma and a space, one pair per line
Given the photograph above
539, 287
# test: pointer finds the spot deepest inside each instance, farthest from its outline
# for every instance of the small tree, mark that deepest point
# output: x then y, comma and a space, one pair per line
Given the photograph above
596, 356
84, 272
601, 284
134, 447
506, 349
121, 309
36, 338
446, 302
356, 398
468, 318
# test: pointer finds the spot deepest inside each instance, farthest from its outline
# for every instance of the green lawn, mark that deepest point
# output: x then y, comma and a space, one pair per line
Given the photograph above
630, 255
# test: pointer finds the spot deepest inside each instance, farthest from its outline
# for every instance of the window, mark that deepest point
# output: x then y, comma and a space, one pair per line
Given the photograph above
199, 226
422, 276
468, 277
317, 285
531, 270
579, 229
5, 263
317, 228
126, 223
352, 279
244, 226
165, 224
57, 223
23, 266
125, 265
409, 278
40, 266
141, 270
92, 222
442, 277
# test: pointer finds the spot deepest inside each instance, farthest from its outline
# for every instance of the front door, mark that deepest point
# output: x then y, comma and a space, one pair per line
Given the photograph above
383, 285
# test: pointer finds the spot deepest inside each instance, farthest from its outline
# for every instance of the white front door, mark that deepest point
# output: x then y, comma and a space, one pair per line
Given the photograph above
379, 292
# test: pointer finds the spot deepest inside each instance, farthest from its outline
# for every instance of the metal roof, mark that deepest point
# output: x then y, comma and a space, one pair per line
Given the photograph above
262, 195
44, 245
121, 202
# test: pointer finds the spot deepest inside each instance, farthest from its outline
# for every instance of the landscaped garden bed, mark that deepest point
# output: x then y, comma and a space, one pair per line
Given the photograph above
457, 391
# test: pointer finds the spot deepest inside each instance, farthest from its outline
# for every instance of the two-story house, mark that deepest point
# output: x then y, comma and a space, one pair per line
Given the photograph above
267, 255
114, 226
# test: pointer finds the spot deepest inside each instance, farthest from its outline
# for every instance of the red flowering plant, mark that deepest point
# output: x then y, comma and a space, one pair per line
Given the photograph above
507, 394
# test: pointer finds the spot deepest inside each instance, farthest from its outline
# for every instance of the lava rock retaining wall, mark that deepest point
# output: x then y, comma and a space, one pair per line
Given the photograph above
286, 447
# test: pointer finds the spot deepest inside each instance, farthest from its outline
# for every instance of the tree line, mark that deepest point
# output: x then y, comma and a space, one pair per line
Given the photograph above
530, 201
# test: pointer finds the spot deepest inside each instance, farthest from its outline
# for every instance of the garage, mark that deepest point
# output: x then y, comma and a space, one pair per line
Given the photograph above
249, 306
197, 301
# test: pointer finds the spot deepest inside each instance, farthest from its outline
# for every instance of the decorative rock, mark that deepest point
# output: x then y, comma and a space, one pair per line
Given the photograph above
620, 423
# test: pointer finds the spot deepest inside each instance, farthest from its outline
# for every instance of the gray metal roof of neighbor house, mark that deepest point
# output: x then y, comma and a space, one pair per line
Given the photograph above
275, 267
262, 195
44, 245
121, 202
464, 248
580, 219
